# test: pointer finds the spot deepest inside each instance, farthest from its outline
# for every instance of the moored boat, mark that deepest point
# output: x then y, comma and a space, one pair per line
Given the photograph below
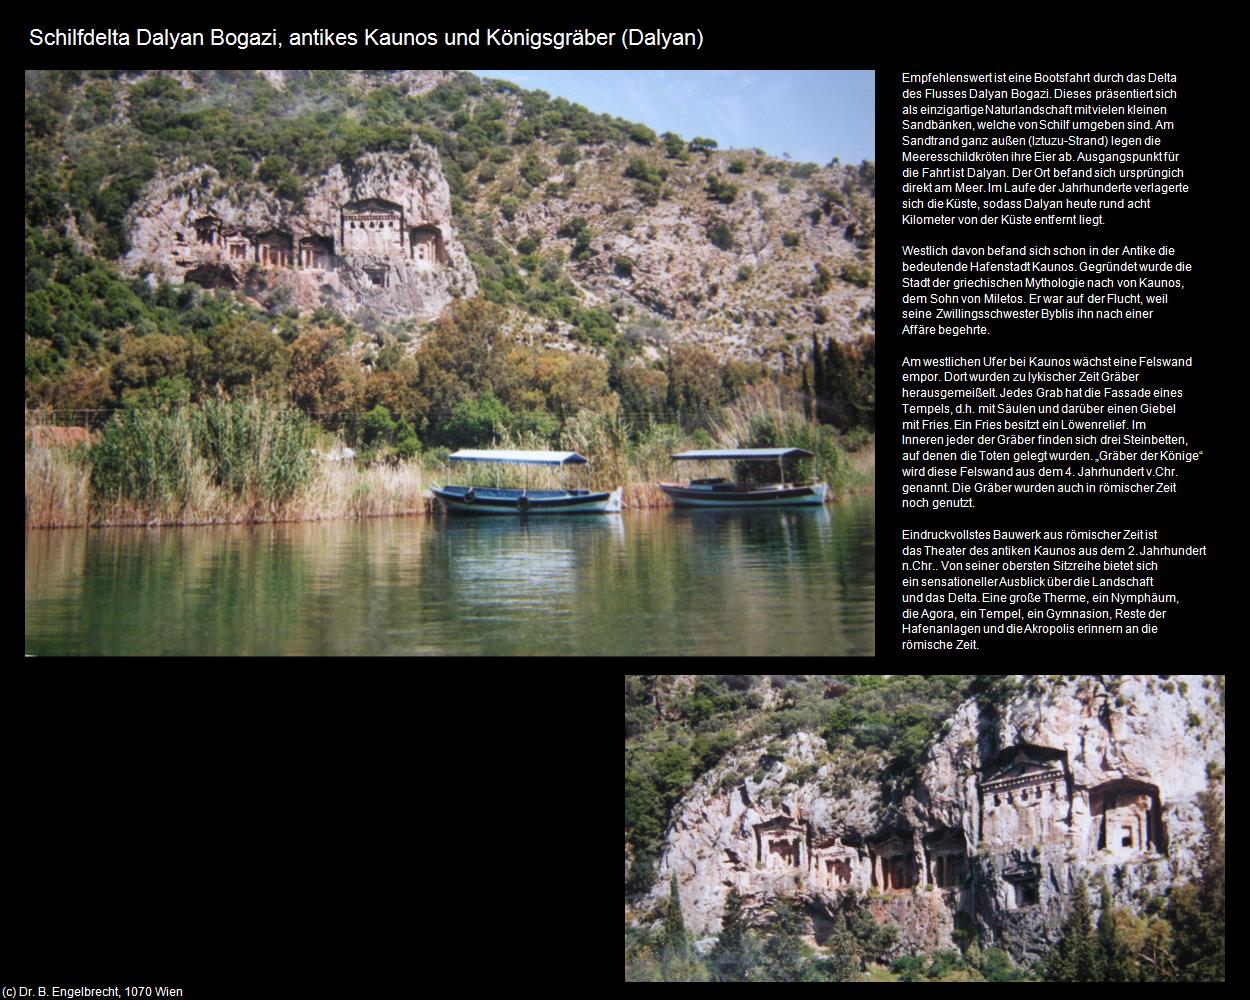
722, 492
476, 499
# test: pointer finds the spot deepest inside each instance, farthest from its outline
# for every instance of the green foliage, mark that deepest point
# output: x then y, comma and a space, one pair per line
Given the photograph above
720, 235
707, 750
1197, 913
709, 699
791, 239
700, 144
785, 956
255, 449
594, 326
674, 146
875, 940
909, 968
737, 166
641, 134
735, 954
387, 438
721, 190
532, 171
476, 421
674, 943
845, 953
996, 966
859, 275
1076, 959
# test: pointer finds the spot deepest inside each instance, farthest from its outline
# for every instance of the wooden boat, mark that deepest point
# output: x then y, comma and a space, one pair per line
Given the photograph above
721, 492
504, 500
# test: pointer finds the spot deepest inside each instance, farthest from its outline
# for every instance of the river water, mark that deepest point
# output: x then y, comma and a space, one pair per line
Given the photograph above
793, 582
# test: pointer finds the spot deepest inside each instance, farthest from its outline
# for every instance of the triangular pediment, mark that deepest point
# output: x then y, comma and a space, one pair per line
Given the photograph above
366, 205
1020, 764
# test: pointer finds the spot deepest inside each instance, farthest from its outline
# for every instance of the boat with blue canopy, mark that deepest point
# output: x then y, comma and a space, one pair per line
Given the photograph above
722, 492
477, 499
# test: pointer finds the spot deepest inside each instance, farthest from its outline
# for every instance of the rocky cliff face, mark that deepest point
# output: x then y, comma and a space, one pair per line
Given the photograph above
380, 239
1093, 775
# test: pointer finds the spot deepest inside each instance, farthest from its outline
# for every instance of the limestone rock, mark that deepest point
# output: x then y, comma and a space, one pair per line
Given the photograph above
380, 239
1095, 776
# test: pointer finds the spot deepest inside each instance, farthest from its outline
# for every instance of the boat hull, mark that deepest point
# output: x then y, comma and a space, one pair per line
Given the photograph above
811, 494
485, 500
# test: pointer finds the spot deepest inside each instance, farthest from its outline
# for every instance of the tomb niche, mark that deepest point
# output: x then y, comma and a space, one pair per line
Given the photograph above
238, 246
1023, 879
212, 276
275, 248
1126, 818
1023, 792
946, 858
208, 230
372, 226
425, 244
835, 864
379, 275
781, 843
316, 253
894, 864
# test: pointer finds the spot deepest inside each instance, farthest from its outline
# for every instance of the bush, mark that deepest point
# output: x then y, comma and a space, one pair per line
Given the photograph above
859, 275
720, 235
721, 190
477, 421
532, 171
791, 239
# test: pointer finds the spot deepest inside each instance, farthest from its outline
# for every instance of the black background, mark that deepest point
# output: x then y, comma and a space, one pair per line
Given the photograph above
262, 828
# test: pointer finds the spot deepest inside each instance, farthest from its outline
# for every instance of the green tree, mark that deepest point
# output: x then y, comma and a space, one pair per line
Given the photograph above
676, 947
732, 959
1076, 958
476, 421
785, 960
1114, 970
250, 356
845, 954
1197, 912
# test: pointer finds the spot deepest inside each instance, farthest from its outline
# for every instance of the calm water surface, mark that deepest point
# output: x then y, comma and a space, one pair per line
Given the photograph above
663, 582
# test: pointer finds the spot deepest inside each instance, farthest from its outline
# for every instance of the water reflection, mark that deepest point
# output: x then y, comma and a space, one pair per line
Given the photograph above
795, 582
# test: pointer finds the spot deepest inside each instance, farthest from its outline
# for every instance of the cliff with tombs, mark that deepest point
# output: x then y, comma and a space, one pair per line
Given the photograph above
1092, 776
380, 240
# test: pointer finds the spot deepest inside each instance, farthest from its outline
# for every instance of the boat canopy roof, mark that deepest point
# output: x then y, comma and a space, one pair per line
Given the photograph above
519, 457
742, 454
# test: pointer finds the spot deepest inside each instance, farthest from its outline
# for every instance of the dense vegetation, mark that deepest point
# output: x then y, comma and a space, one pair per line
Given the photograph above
678, 728
99, 343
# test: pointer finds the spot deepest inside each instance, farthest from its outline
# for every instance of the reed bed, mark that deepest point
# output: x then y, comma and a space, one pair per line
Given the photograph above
243, 461
58, 487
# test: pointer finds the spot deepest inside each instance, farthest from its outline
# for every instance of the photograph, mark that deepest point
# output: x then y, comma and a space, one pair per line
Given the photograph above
400, 362
924, 828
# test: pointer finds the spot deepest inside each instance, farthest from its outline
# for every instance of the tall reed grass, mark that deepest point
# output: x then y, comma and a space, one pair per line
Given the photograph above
233, 461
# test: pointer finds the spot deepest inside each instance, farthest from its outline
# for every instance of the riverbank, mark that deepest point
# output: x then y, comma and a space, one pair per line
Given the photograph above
58, 495
248, 462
